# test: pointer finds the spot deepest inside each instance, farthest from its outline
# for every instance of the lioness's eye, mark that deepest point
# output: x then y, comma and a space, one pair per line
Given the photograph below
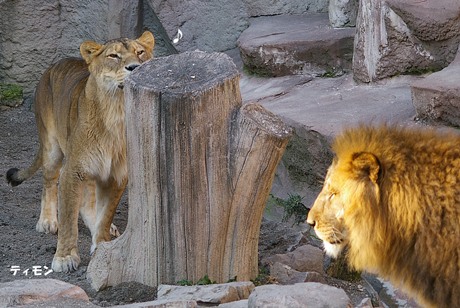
331, 196
140, 52
113, 56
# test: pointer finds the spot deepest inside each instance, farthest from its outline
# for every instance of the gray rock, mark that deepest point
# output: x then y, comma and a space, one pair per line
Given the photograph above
216, 25
206, 25
295, 45
342, 13
309, 294
208, 294
22, 292
304, 259
399, 36
436, 98
285, 275
163, 304
366, 303
277, 7
238, 304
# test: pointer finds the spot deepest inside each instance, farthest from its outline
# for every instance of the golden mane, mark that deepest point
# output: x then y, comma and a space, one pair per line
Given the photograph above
405, 222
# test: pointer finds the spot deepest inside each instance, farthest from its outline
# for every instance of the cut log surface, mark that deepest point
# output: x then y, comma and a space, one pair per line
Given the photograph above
200, 167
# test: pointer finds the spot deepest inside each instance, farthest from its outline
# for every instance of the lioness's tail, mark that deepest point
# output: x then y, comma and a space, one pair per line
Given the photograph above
15, 176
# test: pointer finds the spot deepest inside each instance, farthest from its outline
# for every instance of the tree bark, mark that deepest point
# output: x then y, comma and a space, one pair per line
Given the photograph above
200, 167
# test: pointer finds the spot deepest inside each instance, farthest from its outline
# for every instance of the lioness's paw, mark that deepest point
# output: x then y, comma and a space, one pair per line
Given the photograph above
47, 226
65, 264
114, 231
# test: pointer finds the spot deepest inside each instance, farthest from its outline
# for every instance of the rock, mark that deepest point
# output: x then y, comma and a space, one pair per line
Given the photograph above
399, 36
61, 303
342, 13
206, 25
163, 304
304, 259
215, 25
285, 275
295, 45
309, 294
278, 7
436, 98
22, 292
238, 304
366, 303
208, 294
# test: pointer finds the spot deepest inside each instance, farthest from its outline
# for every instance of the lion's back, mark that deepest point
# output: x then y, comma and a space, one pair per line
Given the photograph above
58, 92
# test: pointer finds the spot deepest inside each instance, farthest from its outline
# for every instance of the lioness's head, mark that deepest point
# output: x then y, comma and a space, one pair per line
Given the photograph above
112, 62
351, 188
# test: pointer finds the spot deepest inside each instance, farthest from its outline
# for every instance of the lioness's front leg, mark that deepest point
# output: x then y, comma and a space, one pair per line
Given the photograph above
71, 187
108, 194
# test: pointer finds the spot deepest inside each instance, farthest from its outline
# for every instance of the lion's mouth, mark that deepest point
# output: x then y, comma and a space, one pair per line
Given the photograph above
336, 242
121, 86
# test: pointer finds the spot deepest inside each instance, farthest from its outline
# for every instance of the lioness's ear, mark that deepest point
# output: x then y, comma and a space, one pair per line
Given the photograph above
147, 40
366, 165
89, 50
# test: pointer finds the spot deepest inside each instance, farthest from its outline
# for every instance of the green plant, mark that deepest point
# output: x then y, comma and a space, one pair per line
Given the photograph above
263, 278
293, 206
205, 281
233, 279
10, 91
185, 282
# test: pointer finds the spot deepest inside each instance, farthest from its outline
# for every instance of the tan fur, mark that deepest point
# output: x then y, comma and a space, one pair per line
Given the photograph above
80, 115
392, 196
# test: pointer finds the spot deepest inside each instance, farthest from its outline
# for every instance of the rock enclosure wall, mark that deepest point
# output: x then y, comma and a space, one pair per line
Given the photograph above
36, 33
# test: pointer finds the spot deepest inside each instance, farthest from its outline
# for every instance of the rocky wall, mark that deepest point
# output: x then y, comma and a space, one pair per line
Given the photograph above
36, 33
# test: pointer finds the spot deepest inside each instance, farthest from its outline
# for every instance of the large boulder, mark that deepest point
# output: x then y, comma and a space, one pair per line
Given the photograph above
303, 44
22, 292
342, 13
309, 294
400, 36
436, 98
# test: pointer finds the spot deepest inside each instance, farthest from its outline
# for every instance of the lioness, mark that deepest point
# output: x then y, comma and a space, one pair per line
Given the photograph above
392, 195
79, 109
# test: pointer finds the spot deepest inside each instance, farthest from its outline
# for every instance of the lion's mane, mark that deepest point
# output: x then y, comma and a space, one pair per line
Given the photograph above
408, 229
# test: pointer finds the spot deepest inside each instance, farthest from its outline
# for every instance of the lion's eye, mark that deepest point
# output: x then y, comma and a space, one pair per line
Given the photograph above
331, 196
113, 56
140, 52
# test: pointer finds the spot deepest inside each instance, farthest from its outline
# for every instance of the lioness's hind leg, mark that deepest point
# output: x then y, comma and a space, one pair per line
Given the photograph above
88, 208
52, 162
108, 195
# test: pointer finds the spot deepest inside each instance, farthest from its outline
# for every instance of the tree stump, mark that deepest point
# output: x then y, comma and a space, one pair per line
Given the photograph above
200, 167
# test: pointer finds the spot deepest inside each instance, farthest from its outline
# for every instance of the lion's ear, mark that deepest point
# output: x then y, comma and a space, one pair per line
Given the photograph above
366, 165
147, 40
89, 50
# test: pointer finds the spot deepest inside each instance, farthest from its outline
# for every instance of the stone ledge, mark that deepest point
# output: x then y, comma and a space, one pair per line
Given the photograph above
303, 44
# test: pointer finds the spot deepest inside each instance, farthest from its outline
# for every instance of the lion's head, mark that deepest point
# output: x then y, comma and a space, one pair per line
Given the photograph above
112, 62
351, 183
391, 196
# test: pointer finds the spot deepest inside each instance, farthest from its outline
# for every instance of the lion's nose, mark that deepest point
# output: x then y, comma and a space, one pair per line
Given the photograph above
131, 67
311, 222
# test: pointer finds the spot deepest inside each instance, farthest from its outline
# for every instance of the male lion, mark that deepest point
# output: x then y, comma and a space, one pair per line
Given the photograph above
392, 195
79, 109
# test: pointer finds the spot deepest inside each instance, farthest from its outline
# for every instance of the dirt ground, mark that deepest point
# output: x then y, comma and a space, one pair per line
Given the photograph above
22, 249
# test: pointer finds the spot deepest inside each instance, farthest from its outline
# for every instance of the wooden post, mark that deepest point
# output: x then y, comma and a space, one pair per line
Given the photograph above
200, 166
